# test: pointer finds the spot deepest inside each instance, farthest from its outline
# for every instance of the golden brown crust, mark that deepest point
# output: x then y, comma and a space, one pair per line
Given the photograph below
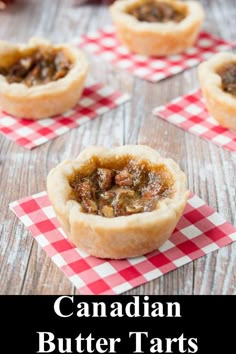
124, 236
43, 100
220, 104
157, 38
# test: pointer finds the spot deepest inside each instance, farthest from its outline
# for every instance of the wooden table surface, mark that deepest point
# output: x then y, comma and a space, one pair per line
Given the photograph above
211, 170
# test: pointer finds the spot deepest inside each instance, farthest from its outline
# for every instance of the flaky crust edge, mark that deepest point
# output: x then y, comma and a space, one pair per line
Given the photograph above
46, 100
124, 236
221, 105
157, 38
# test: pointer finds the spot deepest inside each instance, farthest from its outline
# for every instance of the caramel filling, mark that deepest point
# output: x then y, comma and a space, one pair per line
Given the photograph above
41, 67
157, 11
122, 190
228, 77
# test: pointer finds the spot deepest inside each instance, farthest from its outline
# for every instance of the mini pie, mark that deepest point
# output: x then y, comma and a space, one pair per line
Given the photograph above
157, 27
39, 80
118, 203
217, 78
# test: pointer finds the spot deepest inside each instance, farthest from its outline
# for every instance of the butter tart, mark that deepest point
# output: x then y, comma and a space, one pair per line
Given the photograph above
217, 78
38, 79
118, 203
157, 27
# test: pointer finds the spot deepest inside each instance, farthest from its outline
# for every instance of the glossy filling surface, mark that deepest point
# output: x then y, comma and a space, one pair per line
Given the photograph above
38, 68
129, 188
228, 77
156, 11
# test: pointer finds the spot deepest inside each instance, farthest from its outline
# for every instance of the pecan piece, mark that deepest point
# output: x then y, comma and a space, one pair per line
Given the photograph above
90, 206
108, 211
84, 190
104, 178
124, 178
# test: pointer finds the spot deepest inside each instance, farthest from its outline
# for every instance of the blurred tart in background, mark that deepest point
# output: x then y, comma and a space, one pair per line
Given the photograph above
38, 79
217, 78
157, 27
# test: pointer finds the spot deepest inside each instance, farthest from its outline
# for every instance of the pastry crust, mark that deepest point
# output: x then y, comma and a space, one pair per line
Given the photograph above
220, 104
44, 100
123, 236
157, 38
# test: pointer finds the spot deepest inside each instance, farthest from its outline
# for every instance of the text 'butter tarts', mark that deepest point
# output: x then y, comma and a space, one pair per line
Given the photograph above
38, 79
217, 78
118, 203
157, 27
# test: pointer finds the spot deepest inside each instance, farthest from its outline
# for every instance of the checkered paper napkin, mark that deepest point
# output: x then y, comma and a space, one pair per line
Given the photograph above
200, 231
96, 100
189, 113
105, 44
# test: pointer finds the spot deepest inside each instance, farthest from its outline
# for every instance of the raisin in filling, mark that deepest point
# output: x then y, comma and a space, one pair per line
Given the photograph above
117, 192
156, 11
39, 68
228, 77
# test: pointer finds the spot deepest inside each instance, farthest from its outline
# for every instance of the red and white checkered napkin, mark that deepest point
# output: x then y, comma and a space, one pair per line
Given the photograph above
105, 44
200, 231
189, 112
96, 100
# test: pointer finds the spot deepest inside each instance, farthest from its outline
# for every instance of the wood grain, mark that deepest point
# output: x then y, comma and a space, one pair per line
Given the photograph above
25, 269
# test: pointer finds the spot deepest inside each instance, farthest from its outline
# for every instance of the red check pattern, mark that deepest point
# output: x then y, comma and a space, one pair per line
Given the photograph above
200, 231
96, 100
189, 113
105, 44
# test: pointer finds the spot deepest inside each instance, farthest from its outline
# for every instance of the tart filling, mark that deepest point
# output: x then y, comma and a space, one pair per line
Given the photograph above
156, 11
40, 67
129, 188
228, 76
